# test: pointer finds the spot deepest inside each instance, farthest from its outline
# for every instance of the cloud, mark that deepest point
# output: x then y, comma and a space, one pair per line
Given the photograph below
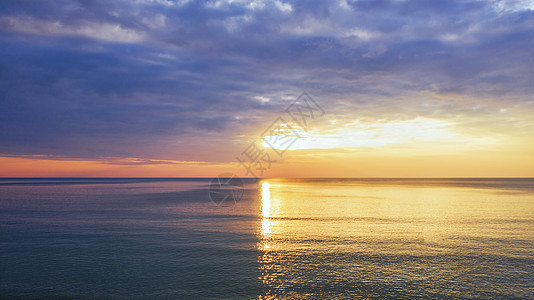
103, 31
170, 78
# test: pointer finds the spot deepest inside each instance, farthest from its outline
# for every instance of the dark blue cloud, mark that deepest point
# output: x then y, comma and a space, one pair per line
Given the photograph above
115, 78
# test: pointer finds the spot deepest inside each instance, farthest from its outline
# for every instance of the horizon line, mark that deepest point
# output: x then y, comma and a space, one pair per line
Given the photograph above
262, 178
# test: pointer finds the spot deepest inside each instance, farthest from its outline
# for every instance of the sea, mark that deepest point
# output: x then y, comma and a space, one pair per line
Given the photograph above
274, 238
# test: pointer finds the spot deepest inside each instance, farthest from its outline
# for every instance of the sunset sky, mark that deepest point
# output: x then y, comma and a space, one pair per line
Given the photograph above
161, 88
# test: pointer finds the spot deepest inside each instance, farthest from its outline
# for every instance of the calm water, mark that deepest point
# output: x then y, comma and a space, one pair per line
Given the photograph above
286, 238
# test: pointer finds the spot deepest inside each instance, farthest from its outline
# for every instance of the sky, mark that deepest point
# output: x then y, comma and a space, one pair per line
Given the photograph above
162, 88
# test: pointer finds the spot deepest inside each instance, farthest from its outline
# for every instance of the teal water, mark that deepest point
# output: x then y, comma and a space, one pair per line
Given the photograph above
285, 238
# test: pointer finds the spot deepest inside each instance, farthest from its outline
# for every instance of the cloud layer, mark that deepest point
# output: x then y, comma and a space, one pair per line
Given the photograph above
161, 79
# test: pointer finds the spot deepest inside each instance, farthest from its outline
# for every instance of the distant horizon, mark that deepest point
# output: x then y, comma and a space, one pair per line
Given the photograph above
265, 178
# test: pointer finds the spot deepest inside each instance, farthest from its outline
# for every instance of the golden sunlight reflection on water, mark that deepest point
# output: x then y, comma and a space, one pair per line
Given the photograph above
265, 212
266, 259
378, 233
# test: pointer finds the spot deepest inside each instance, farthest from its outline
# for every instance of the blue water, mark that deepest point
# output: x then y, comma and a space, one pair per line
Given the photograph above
285, 238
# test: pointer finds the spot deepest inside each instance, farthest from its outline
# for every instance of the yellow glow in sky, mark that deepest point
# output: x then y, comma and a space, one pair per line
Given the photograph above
356, 134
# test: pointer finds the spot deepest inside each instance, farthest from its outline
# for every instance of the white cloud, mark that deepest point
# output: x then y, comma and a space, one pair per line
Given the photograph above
262, 99
362, 34
505, 6
100, 31
253, 5
283, 7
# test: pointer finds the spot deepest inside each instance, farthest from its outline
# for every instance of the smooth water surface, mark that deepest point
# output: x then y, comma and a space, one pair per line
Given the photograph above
286, 238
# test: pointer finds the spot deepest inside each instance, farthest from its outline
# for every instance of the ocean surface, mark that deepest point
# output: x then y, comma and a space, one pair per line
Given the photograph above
281, 239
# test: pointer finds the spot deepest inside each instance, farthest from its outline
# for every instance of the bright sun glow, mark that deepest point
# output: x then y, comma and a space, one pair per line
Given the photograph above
370, 135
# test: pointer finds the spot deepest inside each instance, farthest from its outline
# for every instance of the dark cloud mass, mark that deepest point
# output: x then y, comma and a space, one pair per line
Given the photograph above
116, 78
